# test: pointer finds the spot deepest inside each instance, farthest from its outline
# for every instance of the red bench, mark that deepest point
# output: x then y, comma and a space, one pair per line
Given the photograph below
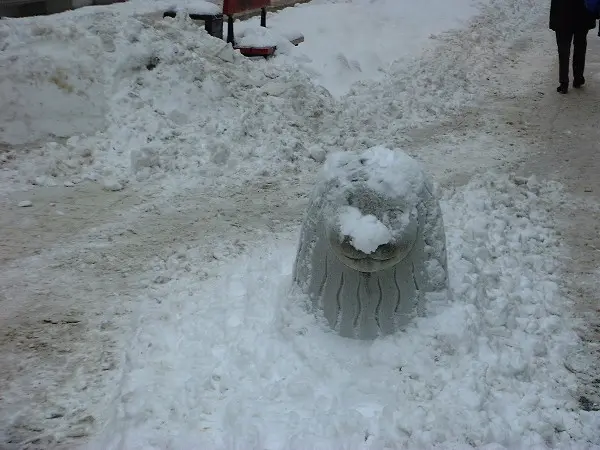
213, 24
233, 7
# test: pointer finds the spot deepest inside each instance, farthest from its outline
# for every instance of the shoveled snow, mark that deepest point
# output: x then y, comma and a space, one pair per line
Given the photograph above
366, 232
223, 355
202, 113
233, 361
79, 100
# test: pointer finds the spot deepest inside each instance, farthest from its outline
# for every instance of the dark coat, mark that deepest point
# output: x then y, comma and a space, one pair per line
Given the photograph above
570, 15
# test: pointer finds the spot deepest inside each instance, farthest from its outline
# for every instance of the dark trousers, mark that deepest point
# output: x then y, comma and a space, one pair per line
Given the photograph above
563, 41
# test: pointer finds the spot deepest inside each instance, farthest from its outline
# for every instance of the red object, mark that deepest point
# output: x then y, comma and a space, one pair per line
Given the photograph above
256, 51
231, 7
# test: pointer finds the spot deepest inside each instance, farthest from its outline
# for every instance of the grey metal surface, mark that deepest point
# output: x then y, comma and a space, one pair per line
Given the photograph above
379, 293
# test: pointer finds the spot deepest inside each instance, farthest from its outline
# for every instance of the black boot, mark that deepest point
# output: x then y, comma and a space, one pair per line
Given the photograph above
579, 50
563, 41
563, 88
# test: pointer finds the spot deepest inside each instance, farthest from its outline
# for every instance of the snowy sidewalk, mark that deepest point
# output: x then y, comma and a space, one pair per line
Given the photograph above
154, 316
269, 364
567, 143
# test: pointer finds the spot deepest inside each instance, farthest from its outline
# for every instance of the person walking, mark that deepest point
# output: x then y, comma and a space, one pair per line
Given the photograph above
571, 21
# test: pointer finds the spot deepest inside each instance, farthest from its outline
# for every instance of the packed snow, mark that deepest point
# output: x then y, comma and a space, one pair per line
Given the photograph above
223, 355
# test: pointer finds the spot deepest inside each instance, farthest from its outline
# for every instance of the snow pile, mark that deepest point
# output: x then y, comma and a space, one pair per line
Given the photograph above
53, 87
232, 361
358, 40
264, 37
149, 98
366, 232
113, 93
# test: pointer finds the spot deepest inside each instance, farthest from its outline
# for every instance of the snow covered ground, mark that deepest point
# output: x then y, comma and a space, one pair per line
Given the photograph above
232, 361
145, 290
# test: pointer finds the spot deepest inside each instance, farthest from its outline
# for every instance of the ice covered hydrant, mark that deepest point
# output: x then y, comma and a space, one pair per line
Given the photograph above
372, 243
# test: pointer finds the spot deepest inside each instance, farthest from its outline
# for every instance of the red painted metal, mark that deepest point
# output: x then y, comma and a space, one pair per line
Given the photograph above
231, 7
256, 51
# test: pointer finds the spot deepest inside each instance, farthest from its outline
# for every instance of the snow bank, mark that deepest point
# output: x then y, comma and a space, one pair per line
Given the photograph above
48, 85
115, 93
147, 98
231, 361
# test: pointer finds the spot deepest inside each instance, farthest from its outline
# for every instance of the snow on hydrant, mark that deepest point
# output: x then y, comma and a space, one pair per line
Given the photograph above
372, 243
